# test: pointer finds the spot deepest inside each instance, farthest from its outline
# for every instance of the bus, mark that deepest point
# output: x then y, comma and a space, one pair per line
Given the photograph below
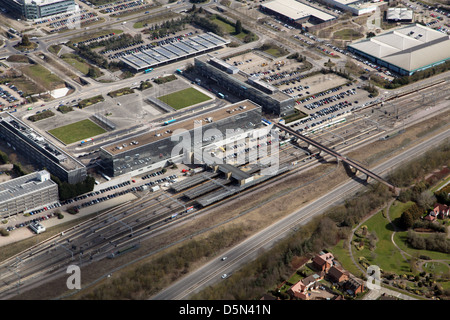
169, 122
148, 70
221, 96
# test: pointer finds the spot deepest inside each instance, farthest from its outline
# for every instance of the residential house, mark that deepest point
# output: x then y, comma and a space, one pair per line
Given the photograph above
354, 285
300, 289
323, 262
430, 216
338, 275
441, 210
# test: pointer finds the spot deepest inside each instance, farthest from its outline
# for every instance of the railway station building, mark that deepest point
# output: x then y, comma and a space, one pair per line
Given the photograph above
155, 149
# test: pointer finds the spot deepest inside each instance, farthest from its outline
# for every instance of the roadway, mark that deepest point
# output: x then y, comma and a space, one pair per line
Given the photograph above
248, 250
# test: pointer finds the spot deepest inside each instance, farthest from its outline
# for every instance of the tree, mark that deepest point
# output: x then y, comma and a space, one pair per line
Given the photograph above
25, 41
238, 27
407, 220
426, 199
93, 72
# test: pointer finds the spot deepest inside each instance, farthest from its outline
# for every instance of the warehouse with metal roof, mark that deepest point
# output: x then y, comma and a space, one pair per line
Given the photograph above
295, 12
406, 50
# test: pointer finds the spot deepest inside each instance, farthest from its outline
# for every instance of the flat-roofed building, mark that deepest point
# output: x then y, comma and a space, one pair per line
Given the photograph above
295, 12
406, 50
399, 15
154, 149
168, 53
23, 194
270, 98
356, 7
39, 150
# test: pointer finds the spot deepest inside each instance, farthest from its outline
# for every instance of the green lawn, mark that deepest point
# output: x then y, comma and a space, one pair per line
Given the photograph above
43, 76
184, 98
385, 255
74, 61
229, 28
77, 131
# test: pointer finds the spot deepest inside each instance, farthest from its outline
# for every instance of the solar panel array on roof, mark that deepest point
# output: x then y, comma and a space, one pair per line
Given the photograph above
203, 42
164, 52
175, 50
136, 61
210, 38
185, 48
146, 58
156, 55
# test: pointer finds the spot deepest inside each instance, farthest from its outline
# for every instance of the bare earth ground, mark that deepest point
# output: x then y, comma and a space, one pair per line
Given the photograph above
254, 220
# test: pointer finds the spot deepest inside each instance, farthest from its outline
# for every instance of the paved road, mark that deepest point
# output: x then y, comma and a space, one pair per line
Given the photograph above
243, 253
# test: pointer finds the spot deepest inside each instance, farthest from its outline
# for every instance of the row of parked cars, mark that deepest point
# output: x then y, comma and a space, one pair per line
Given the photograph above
74, 25
30, 222
75, 19
330, 99
107, 5
131, 44
133, 9
99, 38
154, 174
122, 6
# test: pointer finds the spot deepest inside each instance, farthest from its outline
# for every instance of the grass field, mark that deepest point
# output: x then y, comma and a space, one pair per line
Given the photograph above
43, 76
76, 62
229, 28
184, 98
348, 34
77, 131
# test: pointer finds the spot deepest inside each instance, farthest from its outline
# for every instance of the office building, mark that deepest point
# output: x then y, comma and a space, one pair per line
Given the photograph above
23, 194
270, 98
39, 150
37, 9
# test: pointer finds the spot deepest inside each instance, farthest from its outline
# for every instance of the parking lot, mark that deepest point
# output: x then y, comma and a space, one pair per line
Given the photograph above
10, 96
312, 85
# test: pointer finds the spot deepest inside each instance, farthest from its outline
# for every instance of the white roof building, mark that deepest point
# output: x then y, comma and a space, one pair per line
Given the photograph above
295, 10
399, 14
406, 50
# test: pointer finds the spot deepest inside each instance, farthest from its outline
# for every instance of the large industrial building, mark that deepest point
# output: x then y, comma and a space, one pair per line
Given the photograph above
406, 50
356, 7
171, 52
37, 9
154, 149
295, 12
39, 150
26, 193
236, 81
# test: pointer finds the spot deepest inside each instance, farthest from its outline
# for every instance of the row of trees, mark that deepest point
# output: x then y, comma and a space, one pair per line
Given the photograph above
435, 242
68, 191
